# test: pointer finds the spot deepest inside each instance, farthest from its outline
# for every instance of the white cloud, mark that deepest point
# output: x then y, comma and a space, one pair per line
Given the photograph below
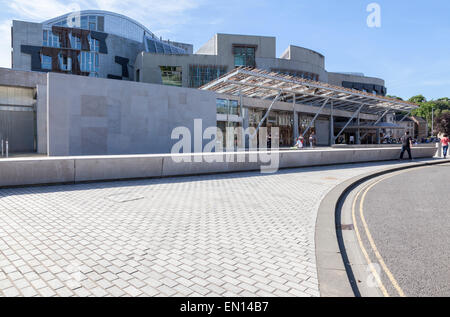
161, 12
41, 10
153, 14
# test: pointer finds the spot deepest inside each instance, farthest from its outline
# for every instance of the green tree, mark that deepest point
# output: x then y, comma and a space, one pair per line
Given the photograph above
442, 123
418, 99
394, 97
425, 109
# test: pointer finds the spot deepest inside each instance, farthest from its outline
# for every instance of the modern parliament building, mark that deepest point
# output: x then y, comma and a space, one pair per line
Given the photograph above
231, 81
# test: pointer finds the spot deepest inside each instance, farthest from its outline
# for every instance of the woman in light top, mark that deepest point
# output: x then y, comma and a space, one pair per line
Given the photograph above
300, 141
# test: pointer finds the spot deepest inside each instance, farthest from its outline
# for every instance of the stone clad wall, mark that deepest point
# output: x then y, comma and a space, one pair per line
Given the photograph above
92, 116
52, 170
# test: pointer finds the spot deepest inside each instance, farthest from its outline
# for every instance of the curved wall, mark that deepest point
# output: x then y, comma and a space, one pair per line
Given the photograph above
102, 21
357, 82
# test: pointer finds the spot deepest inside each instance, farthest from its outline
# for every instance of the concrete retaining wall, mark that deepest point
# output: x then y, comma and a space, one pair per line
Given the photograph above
50, 170
94, 116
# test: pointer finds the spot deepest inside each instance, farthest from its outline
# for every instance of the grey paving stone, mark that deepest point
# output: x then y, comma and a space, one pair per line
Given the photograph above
208, 234
115, 291
11, 292
149, 291
38, 284
29, 291
47, 292
64, 292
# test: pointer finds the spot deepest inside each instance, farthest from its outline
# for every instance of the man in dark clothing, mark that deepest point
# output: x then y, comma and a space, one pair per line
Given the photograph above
406, 145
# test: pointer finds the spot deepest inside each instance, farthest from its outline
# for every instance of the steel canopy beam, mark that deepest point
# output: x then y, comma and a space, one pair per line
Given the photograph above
349, 121
266, 115
273, 81
315, 117
290, 91
376, 122
406, 116
312, 85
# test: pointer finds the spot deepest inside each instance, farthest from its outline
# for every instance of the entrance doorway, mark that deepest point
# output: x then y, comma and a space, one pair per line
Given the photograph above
18, 119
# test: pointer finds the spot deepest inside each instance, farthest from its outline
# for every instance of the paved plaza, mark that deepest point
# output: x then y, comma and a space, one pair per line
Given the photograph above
244, 234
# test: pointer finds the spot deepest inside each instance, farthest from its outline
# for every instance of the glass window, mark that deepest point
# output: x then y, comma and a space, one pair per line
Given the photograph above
75, 42
94, 44
46, 62
65, 63
228, 107
159, 47
172, 75
298, 74
233, 107
151, 46
244, 56
222, 106
123, 27
74, 22
254, 117
89, 62
200, 75
84, 22
16, 96
49, 39
167, 49
156, 46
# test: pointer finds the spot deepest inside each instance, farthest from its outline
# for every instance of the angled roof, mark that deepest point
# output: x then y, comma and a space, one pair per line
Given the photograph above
256, 83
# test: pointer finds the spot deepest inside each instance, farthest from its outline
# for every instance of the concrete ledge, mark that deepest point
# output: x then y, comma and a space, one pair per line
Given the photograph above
380, 146
334, 272
53, 170
111, 168
16, 172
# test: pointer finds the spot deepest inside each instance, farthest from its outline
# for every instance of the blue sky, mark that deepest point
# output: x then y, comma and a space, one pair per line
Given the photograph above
411, 49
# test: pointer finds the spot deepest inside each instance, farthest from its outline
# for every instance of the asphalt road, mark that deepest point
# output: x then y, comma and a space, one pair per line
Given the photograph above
408, 217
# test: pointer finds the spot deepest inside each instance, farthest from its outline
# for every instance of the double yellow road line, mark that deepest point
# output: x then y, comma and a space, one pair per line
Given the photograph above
373, 246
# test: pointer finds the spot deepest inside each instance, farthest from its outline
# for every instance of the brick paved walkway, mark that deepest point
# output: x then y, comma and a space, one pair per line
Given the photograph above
242, 234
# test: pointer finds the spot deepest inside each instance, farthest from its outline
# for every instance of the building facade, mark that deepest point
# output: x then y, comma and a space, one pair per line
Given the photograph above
89, 43
416, 126
225, 52
111, 46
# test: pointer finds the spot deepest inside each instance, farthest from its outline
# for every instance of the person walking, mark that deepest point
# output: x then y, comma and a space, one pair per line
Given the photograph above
444, 142
312, 139
352, 139
406, 145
